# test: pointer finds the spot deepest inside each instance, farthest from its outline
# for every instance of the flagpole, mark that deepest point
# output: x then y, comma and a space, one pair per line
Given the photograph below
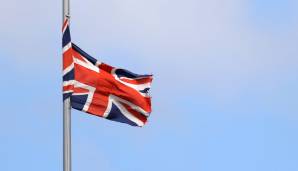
66, 110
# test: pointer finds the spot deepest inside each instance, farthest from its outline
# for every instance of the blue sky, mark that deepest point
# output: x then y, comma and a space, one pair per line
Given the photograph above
225, 91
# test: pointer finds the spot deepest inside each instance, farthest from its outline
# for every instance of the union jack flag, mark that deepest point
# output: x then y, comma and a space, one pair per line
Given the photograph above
102, 90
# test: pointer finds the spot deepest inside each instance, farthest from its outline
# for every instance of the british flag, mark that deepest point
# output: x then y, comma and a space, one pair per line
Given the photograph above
102, 90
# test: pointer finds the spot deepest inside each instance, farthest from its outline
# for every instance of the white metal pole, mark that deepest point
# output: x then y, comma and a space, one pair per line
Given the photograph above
66, 135
66, 112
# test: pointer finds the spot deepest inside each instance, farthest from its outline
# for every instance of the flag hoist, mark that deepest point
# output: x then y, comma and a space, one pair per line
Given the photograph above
99, 89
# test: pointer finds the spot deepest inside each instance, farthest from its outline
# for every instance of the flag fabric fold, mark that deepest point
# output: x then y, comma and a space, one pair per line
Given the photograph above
102, 90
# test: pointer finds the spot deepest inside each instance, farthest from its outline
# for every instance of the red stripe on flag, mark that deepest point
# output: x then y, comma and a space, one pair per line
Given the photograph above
64, 24
67, 58
78, 55
68, 88
136, 114
98, 105
106, 67
137, 81
80, 90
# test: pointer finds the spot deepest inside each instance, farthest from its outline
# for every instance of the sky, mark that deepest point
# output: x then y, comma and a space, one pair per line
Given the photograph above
224, 94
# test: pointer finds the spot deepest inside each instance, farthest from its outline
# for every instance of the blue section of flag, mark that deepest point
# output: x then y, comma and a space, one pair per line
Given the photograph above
69, 76
116, 115
128, 74
66, 37
78, 101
